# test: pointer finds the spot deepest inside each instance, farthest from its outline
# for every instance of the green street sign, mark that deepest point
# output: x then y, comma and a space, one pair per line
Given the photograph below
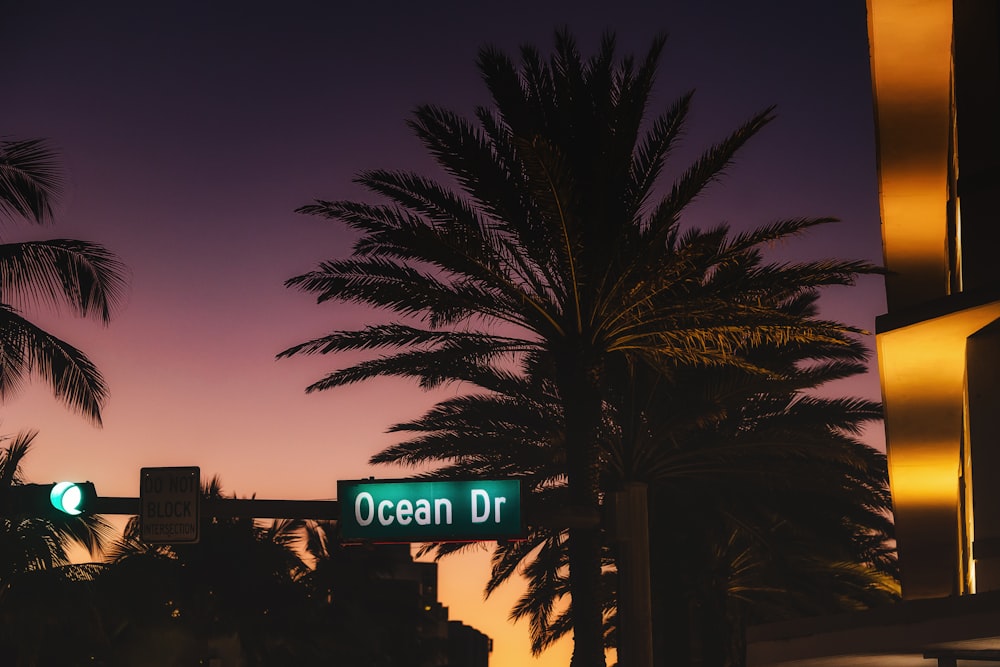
418, 511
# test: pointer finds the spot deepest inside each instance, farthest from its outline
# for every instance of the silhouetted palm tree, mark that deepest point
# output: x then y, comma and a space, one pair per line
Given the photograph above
83, 277
766, 507
43, 596
29, 542
236, 584
553, 248
764, 504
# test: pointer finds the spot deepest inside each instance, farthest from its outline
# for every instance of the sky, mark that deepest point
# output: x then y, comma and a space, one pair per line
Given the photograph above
190, 131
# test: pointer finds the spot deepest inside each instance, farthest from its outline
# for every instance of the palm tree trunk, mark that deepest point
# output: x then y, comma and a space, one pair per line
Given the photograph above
635, 630
584, 577
582, 407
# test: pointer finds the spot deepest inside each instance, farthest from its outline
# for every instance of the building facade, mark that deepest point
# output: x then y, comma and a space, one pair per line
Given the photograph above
936, 84
935, 68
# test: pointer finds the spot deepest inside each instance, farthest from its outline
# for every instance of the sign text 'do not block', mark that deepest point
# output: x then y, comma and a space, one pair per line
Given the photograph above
169, 505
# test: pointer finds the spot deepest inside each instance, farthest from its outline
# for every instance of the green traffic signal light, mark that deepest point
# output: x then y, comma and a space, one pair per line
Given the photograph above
67, 497
48, 501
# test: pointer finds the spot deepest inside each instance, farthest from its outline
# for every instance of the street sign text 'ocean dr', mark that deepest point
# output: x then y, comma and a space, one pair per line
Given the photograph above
419, 511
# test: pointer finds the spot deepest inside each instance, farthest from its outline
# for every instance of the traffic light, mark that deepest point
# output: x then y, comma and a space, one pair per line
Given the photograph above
51, 501
71, 497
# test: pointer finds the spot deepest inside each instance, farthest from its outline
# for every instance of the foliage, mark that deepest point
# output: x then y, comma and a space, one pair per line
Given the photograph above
84, 278
199, 592
763, 503
286, 592
43, 594
554, 248
30, 543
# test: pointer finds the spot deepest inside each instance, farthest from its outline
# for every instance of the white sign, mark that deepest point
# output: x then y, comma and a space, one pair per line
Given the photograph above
168, 499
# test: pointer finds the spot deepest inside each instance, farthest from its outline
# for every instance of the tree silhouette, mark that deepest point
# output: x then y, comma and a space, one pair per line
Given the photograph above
83, 277
236, 585
42, 594
554, 248
764, 504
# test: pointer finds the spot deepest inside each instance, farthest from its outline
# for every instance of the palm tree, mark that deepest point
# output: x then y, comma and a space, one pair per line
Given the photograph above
30, 543
764, 505
43, 594
83, 277
237, 584
551, 248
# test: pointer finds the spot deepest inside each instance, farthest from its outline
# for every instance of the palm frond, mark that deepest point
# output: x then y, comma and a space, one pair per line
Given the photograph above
84, 276
30, 179
27, 349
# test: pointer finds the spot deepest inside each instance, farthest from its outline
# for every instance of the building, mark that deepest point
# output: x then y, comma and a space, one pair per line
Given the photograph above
403, 596
467, 646
936, 83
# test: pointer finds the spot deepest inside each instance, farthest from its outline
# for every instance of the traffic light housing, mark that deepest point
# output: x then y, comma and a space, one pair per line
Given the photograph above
58, 500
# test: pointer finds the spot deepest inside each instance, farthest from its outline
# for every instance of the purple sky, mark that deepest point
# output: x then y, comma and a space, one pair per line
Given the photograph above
190, 131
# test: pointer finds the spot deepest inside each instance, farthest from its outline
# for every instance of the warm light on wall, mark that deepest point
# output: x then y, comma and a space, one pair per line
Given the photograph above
922, 363
932, 482
968, 513
911, 72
